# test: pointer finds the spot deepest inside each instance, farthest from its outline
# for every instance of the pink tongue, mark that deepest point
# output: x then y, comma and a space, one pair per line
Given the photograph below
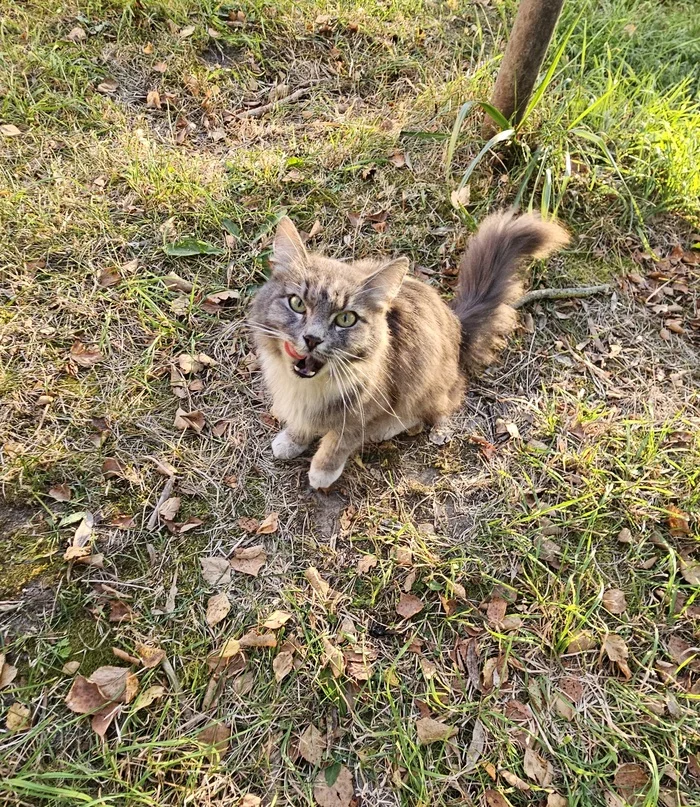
291, 352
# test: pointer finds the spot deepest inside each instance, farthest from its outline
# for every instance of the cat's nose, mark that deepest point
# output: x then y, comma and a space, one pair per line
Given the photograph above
312, 341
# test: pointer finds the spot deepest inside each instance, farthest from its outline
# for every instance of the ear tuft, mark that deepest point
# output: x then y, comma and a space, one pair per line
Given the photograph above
288, 248
385, 283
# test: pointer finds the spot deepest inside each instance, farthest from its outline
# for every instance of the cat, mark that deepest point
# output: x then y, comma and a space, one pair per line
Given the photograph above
358, 351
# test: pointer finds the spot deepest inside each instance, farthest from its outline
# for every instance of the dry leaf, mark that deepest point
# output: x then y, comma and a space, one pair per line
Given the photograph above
433, 731
248, 525
249, 800
690, 570
572, 688
189, 420
148, 696
338, 794
61, 493
216, 571
366, 563
624, 536
537, 768
582, 642
168, 510
563, 707
220, 659
276, 620
160, 67
460, 198
614, 601
318, 584
283, 664
493, 798
517, 711
515, 781
312, 745
555, 800
333, 657
153, 99
476, 746
122, 655
249, 560
108, 86
409, 605
403, 556
617, 651
678, 520
119, 612
217, 608
114, 469
255, 639
217, 736
496, 610
76, 34
188, 30
84, 356
70, 667
631, 779
269, 524
18, 717
10, 130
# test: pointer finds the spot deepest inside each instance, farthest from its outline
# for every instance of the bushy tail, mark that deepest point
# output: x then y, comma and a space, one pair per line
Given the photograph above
488, 280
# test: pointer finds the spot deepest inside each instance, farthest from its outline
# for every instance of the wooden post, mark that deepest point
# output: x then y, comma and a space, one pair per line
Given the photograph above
532, 31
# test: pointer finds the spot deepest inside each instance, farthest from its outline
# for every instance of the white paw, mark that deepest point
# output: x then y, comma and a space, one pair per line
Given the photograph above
286, 448
324, 479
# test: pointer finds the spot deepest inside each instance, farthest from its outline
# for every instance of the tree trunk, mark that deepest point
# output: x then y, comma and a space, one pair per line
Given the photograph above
532, 31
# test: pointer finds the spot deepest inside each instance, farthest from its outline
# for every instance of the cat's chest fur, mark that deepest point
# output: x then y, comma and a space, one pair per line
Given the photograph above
303, 404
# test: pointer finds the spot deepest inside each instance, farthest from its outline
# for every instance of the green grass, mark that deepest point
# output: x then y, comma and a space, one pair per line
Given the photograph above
608, 411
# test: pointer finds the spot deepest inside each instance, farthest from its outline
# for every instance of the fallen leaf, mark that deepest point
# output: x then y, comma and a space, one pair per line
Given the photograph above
694, 765
312, 745
678, 521
61, 493
168, 510
148, 48
366, 563
249, 525
333, 657
631, 779
433, 731
120, 612
220, 659
398, 159
169, 606
476, 746
122, 520
84, 356
188, 30
624, 536
249, 560
153, 99
581, 642
18, 717
108, 277
108, 86
614, 601
276, 620
216, 571
409, 605
122, 655
493, 798
338, 792
189, 420
148, 696
690, 570
518, 712
318, 584
174, 282
537, 768
495, 672
496, 610
555, 800
283, 664
515, 781
255, 639
403, 556
249, 800
10, 130
79, 547
160, 67
114, 469
217, 608
216, 735
563, 706
617, 651
269, 524
70, 667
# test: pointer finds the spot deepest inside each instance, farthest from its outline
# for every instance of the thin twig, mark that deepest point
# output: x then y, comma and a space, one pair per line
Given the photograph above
257, 111
560, 294
167, 490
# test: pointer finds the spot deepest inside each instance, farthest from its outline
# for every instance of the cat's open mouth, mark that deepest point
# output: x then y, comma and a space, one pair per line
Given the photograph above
308, 366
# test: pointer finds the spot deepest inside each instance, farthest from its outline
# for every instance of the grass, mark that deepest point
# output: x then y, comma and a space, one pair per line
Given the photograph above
606, 407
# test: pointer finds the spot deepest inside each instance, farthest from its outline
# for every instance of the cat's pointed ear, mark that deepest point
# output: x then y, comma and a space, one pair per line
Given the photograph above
385, 283
288, 249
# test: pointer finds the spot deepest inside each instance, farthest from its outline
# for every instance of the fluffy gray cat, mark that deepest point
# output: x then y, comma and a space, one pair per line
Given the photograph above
356, 352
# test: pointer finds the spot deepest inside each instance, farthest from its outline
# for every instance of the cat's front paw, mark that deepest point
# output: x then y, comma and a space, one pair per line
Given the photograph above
323, 478
286, 447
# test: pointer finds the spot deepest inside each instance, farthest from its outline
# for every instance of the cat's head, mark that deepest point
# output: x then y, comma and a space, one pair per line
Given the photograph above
316, 311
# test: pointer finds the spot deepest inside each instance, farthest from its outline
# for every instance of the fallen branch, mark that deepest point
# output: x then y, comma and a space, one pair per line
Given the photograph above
559, 294
167, 490
257, 111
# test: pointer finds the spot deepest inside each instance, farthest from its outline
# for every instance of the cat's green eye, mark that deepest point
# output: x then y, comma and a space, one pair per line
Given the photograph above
346, 319
297, 304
